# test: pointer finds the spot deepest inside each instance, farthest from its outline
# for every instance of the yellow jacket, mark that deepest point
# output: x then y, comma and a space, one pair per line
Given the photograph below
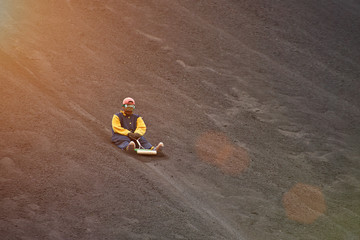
123, 124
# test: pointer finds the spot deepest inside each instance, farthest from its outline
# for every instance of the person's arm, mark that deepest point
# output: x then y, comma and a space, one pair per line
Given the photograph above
116, 126
140, 126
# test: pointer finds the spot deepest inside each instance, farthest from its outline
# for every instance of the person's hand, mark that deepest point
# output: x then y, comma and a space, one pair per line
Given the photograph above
134, 136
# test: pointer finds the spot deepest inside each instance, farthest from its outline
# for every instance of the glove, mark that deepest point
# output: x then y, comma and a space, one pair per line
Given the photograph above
134, 136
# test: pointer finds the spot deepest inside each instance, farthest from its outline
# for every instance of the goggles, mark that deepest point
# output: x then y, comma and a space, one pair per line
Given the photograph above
129, 106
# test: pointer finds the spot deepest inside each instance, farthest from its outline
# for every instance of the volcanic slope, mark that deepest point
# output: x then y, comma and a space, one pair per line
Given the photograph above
257, 103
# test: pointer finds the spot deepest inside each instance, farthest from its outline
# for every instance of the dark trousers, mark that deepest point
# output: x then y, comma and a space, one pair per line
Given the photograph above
122, 141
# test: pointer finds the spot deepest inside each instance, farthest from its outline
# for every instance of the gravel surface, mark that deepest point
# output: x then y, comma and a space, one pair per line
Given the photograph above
256, 101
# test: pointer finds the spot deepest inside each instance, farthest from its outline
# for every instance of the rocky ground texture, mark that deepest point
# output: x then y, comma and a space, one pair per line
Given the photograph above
256, 101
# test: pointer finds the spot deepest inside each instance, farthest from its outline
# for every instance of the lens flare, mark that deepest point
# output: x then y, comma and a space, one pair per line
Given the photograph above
304, 203
5, 17
10, 12
216, 149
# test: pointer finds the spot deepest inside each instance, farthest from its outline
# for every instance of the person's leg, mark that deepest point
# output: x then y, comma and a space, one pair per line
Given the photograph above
145, 143
121, 141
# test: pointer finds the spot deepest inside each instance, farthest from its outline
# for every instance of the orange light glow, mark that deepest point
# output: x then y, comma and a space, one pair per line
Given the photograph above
304, 203
216, 149
14, 17
6, 16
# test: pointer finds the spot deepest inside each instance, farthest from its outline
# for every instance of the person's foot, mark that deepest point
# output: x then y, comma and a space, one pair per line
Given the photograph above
131, 146
159, 147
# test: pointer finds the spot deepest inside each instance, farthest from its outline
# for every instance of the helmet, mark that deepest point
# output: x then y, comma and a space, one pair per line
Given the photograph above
128, 100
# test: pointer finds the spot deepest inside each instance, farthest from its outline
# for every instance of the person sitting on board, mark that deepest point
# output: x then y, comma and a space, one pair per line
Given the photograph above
128, 127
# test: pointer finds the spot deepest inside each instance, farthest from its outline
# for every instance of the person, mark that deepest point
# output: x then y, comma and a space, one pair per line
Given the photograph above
128, 127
